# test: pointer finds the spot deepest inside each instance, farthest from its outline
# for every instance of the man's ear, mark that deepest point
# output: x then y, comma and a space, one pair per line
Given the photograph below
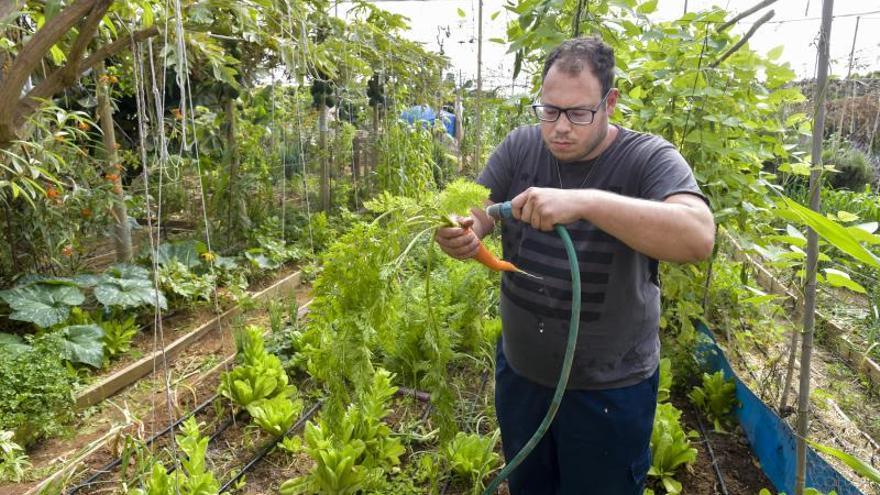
611, 101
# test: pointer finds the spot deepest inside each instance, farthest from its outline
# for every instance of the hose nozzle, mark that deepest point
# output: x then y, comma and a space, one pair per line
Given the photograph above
500, 211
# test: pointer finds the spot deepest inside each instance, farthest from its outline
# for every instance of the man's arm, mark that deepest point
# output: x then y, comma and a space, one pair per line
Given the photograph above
679, 229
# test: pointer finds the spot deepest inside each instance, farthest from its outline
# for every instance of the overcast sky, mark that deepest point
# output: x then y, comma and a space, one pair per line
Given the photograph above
438, 25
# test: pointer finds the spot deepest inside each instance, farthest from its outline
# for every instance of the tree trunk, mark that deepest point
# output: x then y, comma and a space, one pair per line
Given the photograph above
113, 168
325, 163
232, 165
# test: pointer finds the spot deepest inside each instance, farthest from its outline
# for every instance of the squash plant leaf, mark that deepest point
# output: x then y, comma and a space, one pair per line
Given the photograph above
126, 270
12, 345
186, 252
83, 344
128, 293
41, 304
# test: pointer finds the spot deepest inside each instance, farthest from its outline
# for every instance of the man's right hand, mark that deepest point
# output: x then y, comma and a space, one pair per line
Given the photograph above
463, 242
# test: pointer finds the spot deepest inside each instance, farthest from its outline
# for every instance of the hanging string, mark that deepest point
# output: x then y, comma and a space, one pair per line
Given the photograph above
299, 119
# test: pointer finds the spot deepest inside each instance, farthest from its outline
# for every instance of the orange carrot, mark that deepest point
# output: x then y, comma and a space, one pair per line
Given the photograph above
485, 257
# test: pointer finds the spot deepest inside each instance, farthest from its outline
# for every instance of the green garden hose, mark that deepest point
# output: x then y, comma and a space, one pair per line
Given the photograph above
504, 211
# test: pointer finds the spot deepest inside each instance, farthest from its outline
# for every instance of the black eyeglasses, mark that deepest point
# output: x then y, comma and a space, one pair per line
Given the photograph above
576, 115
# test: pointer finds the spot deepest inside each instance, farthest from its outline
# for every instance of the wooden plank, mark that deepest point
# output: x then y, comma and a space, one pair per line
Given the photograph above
144, 366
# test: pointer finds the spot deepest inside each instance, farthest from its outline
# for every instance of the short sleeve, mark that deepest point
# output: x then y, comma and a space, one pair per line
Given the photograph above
666, 173
498, 173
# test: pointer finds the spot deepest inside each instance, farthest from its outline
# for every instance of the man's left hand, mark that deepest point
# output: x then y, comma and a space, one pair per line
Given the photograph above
543, 208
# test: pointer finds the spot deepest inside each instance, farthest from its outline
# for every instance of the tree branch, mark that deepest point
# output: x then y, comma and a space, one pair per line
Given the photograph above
86, 32
744, 39
57, 80
8, 7
30, 56
745, 14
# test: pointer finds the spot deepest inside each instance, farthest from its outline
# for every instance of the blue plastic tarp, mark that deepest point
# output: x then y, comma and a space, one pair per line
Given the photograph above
771, 439
422, 113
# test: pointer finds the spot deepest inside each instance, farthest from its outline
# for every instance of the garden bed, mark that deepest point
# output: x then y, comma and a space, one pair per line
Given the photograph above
142, 409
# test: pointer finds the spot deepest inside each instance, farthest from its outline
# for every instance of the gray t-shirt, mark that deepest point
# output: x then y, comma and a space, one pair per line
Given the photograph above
618, 344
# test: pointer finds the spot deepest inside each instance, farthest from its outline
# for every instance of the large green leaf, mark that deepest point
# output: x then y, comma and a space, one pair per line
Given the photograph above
12, 345
128, 292
260, 260
83, 344
127, 270
41, 304
864, 468
834, 233
186, 252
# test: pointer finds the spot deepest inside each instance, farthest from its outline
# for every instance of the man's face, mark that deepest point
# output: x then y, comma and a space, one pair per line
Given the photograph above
571, 142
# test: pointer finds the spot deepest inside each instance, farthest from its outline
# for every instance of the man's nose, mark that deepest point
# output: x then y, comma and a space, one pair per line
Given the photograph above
563, 125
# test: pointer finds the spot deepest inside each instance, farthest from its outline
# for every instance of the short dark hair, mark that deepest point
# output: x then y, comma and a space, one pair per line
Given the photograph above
575, 55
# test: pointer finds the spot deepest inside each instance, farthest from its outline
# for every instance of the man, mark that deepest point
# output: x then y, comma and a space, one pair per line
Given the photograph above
628, 200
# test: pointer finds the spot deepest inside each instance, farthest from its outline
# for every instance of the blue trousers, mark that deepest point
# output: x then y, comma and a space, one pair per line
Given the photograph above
598, 444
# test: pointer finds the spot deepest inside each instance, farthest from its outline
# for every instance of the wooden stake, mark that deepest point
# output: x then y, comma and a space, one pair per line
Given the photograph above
809, 313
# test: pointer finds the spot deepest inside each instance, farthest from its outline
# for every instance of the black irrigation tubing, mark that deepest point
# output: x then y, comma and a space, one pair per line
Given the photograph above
417, 394
271, 445
112, 464
715, 467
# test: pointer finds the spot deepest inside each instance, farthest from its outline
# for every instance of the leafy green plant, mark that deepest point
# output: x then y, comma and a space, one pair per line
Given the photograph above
177, 278
337, 470
127, 286
276, 316
666, 376
13, 461
863, 468
473, 456
187, 253
716, 398
853, 167
118, 335
43, 303
670, 447
276, 415
193, 478
353, 454
36, 398
272, 253
258, 374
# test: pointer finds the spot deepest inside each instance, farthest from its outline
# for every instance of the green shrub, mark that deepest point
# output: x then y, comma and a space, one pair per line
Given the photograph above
854, 168
36, 397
